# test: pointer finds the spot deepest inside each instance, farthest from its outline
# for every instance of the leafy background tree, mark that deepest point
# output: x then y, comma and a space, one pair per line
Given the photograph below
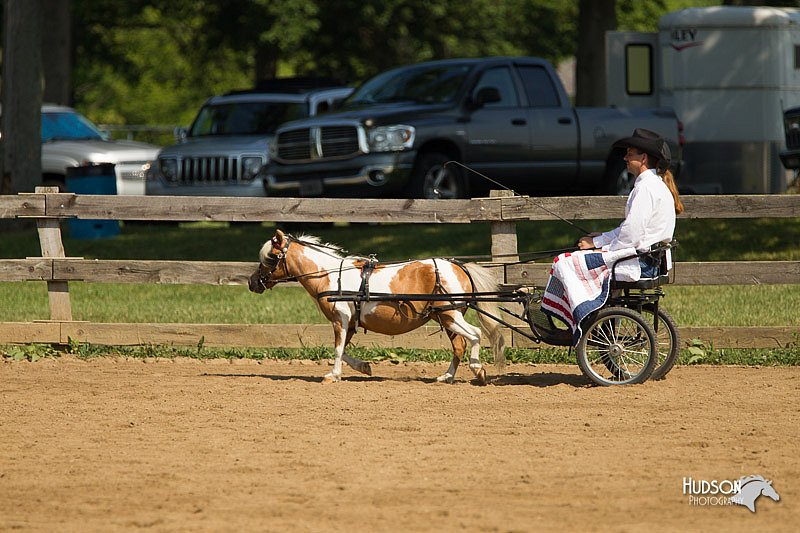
155, 61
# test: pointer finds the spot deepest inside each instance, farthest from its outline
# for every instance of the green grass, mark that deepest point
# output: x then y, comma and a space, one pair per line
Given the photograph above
768, 305
700, 240
101, 302
695, 355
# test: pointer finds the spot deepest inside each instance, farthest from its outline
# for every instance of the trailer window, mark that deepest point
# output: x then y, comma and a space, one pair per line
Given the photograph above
639, 69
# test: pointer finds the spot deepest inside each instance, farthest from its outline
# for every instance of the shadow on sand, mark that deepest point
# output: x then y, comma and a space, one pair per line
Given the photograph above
542, 379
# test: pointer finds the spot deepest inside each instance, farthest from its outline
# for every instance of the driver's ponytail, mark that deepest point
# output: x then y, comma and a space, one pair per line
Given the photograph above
669, 181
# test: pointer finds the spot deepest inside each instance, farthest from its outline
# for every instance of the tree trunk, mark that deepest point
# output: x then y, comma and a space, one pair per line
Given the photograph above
266, 62
595, 18
57, 51
22, 96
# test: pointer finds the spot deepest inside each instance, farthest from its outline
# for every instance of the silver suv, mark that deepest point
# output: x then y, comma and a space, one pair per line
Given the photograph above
226, 146
71, 140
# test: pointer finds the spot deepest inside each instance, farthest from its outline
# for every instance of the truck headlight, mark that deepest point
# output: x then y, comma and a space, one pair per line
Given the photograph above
169, 168
250, 167
391, 138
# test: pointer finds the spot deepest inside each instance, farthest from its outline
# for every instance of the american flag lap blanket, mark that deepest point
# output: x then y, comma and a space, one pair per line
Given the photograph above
579, 285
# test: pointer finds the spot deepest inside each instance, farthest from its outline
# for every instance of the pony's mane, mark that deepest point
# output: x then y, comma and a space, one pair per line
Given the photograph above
747, 479
332, 249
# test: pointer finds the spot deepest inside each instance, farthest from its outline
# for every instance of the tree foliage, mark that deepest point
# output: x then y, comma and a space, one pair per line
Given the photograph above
155, 61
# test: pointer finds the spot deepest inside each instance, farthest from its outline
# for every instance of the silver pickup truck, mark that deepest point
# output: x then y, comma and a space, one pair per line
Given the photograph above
226, 146
506, 117
70, 140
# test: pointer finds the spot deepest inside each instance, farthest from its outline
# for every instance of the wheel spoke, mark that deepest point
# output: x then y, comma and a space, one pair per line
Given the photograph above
617, 348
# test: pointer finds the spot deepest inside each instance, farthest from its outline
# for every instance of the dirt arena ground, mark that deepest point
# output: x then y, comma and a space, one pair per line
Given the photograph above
112, 444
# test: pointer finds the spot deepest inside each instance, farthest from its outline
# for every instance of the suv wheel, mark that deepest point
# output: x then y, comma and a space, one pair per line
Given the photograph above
433, 180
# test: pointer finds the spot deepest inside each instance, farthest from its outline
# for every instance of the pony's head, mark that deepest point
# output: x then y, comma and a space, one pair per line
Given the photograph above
271, 263
769, 491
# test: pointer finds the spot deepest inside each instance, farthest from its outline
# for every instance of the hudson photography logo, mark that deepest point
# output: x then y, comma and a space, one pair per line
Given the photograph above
743, 491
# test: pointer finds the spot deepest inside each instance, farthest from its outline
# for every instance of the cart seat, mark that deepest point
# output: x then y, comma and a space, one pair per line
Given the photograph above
657, 254
647, 283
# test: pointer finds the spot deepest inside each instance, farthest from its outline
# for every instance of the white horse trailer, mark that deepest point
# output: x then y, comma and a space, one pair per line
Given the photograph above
728, 72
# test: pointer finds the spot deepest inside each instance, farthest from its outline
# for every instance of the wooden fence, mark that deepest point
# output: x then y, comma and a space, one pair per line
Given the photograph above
49, 207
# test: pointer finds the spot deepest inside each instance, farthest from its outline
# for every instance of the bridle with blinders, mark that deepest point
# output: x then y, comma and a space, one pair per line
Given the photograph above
270, 264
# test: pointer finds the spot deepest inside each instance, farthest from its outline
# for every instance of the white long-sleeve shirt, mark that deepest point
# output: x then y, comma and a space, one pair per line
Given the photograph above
649, 216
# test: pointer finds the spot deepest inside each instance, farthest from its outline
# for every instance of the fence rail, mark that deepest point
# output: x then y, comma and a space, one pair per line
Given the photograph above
48, 207
497, 209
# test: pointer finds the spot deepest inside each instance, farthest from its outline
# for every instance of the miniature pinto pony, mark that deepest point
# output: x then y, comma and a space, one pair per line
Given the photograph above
324, 271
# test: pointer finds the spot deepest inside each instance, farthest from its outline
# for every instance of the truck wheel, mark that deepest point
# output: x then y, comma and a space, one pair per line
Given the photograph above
617, 180
432, 179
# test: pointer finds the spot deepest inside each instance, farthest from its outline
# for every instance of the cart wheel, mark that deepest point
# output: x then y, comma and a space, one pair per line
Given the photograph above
617, 347
667, 340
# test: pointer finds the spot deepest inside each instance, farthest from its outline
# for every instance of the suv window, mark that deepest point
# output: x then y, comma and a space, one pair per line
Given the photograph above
500, 78
427, 85
62, 125
539, 87
242, 118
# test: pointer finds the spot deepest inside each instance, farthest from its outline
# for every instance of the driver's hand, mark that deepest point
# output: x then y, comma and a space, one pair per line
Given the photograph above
586, 243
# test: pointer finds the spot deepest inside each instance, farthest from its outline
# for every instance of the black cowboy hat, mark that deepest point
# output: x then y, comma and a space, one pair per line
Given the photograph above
648, 142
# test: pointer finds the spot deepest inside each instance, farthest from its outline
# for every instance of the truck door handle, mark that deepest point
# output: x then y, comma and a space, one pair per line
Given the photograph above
519, 121
565, 120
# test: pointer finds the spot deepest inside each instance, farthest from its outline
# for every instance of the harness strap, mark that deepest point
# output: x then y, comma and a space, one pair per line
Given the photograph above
464, 269
363, 293
339, 281
366, 271
438, 288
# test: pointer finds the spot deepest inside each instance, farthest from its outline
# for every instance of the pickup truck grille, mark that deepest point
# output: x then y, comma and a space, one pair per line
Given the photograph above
208, 169
294, 144
317, 143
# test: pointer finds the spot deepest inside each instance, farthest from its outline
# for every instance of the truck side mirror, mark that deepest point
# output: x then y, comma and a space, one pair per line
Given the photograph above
180, 134
487, 95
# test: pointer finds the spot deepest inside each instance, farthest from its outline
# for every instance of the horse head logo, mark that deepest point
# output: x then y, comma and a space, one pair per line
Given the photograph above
751, 488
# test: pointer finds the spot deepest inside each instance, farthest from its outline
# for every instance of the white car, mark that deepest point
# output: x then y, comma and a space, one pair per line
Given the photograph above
71, 140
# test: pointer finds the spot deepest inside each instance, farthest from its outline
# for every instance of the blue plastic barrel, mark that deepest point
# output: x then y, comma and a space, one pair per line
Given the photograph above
94, 179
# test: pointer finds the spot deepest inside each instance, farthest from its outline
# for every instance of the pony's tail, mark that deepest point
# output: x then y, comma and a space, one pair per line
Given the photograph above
485, 281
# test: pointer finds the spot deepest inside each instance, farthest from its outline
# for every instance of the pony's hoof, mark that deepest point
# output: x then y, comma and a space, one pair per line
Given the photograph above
445, 378
480, 376
366, 369
331, 378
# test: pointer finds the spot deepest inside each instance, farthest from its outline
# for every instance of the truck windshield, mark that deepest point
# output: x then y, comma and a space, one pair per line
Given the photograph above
432, 84
246, 118
68, 126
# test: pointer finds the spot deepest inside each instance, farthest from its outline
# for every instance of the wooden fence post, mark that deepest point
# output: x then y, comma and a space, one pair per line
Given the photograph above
504, 250
504, 238
49, 230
